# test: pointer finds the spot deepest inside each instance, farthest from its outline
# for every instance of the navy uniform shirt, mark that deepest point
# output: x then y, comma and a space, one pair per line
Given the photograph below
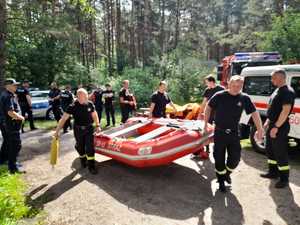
109, 97
22, 93
281, 96
160, 100
8, 102
54, 92
82, 113
66, 98
228, 109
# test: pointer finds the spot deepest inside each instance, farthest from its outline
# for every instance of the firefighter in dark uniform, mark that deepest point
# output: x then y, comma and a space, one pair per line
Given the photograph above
277, 126
24, 100
54, 101
228, 106
84, 114
12, 125
96, 97
67, 99
211, 90
127, 101
109, 97
159, 100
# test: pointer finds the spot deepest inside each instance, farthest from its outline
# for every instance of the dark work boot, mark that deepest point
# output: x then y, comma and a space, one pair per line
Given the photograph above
284, 180
83, 162
227, 177
92, 167
272, 174
221, 182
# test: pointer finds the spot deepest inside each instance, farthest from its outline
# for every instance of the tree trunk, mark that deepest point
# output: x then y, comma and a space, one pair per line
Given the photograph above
118, 37
177, 24
162, 26
3, 22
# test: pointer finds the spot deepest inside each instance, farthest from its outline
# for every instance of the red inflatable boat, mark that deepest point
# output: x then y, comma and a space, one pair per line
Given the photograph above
143, 142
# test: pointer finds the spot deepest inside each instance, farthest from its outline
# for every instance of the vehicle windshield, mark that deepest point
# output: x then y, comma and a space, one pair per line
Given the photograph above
237, 67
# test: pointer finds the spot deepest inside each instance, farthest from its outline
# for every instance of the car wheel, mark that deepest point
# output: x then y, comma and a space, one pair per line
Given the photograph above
49, 114
258, 146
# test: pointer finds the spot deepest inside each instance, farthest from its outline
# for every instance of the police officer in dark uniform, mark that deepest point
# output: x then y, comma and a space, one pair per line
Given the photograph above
277, 126
159, 101
109, 97
24, 100
84, 115
67, 99
10, 110
228, 106
127, 101
54, 101
96, 97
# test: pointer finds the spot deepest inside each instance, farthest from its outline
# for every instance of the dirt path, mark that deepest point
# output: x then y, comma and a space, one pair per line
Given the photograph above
181, 193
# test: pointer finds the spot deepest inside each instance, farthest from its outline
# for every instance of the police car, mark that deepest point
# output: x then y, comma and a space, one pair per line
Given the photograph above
40, 105
259, 87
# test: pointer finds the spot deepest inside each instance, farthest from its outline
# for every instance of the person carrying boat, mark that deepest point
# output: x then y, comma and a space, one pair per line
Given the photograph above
228, 106
127, 101
211, 90
84, 115
159, 101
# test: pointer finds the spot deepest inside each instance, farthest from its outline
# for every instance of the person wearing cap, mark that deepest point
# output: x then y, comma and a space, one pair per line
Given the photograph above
228, 106
54, 101
66, 99
10, 125
84, 114
25, 103
277, 125
159, 100
109, 97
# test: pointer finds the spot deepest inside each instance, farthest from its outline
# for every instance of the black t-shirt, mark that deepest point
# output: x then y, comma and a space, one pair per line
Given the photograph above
228, 108
98, 98
127, 96
8, 102
66, 98
22, 93
281, 96
52, 94
160, 100
209, 92
109, 97
82, 113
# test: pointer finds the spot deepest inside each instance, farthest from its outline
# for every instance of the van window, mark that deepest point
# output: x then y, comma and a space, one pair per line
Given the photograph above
258, 85
295, 83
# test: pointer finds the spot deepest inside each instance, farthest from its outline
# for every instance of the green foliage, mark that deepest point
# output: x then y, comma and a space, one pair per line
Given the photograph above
284, 36
12, 199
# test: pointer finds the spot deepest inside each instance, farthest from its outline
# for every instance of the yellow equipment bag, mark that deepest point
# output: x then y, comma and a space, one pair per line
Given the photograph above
54, 151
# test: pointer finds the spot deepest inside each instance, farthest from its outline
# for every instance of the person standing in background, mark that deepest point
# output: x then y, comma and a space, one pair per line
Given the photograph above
109, 97
96, 98
54, 101
127, 101
25, 103
66, 100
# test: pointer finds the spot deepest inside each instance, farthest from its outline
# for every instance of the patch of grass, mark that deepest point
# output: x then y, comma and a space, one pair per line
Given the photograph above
246, 144
12, 198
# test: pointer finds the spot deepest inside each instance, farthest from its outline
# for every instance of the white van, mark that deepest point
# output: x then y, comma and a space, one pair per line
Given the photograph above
259, 87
